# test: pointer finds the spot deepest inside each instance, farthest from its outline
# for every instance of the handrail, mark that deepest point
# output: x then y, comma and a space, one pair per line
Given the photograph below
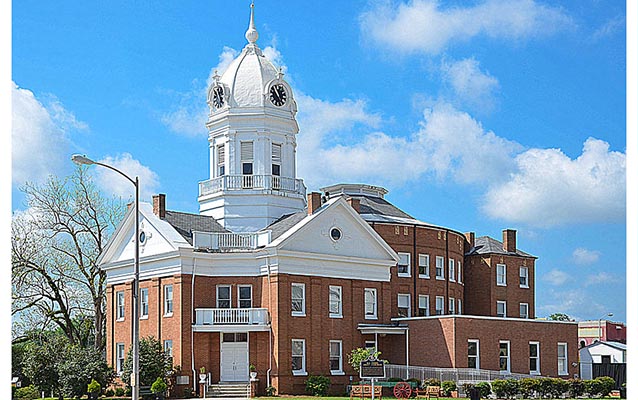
230, 241
231, 316
243, 182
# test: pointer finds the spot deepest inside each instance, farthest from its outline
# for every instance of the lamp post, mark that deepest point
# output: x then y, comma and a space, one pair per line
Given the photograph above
600, 328
135, 375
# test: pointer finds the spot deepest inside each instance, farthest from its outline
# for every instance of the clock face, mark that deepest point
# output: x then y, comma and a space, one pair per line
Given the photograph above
218, 96
278, 95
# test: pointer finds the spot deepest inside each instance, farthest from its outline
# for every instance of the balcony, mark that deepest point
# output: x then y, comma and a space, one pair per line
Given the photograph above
231, 320
280, 184
217, 241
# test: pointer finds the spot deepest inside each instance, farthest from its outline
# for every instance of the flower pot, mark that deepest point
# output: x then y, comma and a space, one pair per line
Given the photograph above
253, 374
202, 378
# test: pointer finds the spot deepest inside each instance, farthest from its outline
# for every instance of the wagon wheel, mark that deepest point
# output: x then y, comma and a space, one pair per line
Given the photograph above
402, 390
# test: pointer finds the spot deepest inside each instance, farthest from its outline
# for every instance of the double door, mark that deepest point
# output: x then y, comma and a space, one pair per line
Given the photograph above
234, 357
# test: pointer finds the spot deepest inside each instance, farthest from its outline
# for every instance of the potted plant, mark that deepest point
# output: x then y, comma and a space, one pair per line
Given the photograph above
158, 388
202, 375
94, 389
253, 371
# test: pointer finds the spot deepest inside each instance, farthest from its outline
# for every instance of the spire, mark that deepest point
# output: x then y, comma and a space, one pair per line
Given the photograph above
251, 34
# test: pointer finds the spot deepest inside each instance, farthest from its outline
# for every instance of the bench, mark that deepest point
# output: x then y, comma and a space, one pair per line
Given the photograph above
429, 392
364, 391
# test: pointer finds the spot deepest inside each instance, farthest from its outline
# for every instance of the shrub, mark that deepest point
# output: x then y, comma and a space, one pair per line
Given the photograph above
432, 382
576, 387
271, 391
94, 388
159, 386
448, 387
600, 386
528, 387
484, 389
394, 379
545, 387
188, 393
318, 385
361, 354
507, 388
27, 393
559, 387
119, 392
109, 393
417, 381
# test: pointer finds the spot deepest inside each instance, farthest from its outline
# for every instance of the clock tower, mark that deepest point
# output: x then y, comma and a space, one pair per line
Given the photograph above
251, 135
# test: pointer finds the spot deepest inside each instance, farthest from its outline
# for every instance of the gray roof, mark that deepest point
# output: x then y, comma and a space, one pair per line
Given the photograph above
488, 245
284, 223
616, 345
185, 224
380, 206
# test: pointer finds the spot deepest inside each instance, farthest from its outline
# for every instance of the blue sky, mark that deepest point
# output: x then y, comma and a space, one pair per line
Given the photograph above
477, 116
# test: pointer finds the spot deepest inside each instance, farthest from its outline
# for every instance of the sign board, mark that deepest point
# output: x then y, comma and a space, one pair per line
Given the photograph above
372, 368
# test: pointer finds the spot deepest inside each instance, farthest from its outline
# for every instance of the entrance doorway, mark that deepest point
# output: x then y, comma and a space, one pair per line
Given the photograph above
234, 357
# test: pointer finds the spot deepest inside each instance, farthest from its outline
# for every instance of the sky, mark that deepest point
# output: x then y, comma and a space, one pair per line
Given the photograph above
475, 115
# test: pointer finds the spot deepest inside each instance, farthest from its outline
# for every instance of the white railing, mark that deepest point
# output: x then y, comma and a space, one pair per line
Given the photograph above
230, 241
239, 182
231, 316
463, 375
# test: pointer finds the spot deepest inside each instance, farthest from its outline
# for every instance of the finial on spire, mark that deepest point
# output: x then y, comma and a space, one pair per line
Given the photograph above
251, 34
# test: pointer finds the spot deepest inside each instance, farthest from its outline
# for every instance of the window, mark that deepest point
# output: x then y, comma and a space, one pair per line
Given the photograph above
473, 360
458, 309
504, 356
523, 277
298, 294
143, 303
440, 262
501, 309
336, 361
451, 274
119, 354
534, 358
370, 300
168, 300
524, 308
370, 344
450, 305
245, 296
424, 266
459, 269
605, 359
276, 159
223, 296
168, 348
403, 301
246, 149
562, 358
440, 301
119, 296
500, 275
424, 305
403, 268
221, 157
335, 302
298, 357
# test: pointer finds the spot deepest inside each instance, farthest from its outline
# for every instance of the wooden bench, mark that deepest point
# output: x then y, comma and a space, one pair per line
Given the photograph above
429, 392
365, 391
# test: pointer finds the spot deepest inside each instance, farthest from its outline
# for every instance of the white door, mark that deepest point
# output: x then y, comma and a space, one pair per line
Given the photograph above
234, 361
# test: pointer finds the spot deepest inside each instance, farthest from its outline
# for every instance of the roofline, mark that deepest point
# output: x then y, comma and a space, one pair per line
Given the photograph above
407, 319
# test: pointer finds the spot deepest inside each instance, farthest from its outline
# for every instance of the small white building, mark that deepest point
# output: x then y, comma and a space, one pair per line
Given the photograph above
601, 353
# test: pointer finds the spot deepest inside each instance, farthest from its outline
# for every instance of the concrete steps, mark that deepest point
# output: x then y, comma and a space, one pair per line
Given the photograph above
229, 390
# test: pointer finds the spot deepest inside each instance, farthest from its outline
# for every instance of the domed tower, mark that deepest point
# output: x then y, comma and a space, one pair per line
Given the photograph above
251, 134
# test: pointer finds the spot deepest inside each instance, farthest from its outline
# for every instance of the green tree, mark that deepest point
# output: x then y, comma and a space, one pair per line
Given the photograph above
360, 354
40, 364
79, 367
560, 317
154, 362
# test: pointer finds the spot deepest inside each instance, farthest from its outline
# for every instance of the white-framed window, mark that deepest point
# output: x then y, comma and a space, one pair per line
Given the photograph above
245, 296
168, 300
450, 305
336, 305
299, 357
221, 160
501, 276
223, 296
424, 305
120, 309
534, 358
336, 357
504, 356
424, 266
298, 299
501, 309
524, 310
451, 273
370, 301
168, 347
473, 355
562, 358
440, 305
119, 358
403, 303
403, 267
276, 159
523, 277
144, 303
246, 155
458, 308
440, 270
459, 271
370, 344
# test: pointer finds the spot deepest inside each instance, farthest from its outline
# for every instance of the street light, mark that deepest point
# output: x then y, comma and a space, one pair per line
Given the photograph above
600, 328
135, 376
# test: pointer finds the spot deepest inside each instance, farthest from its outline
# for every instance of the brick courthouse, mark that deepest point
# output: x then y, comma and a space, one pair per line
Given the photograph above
291, 283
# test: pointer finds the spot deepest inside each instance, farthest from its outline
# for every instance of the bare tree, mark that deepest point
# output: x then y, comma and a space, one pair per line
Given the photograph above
55, 244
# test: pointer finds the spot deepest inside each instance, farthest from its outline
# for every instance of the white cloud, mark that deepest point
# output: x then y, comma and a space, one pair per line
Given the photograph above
114, 183
424, 26
556, 277
609, 28
549, 188
471, 86
40, 136
576, 303
601, 278
583, 256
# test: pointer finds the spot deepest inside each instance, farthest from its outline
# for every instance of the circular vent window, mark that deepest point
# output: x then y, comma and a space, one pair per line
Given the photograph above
335, 234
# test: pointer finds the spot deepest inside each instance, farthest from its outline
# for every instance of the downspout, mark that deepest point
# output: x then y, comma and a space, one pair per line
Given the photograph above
415, 272
447, 267
270, 331
192, 322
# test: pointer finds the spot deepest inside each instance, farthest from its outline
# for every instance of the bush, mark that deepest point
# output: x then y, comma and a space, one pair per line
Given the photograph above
109, 393
448, 387
271, 391
600, 386
394, 379
318, 385
528, 387
576, 387
27, 393
93, 389
431, 382
559, 387
159, 386
545, 387
484, 389
188, 393
119, 392
417, 381
507, 388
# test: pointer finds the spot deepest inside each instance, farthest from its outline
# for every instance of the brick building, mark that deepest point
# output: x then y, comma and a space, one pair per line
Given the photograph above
289, 283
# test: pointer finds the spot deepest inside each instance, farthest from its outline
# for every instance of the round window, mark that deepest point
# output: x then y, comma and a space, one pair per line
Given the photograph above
335, 234
142, 237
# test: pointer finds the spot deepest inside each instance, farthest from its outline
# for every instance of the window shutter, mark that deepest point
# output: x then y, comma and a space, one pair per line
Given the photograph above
276, 153
246, 151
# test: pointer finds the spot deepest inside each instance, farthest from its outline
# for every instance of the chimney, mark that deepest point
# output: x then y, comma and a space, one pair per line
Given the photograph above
355, 203
159, 205
509, 240
469, 236
314, 202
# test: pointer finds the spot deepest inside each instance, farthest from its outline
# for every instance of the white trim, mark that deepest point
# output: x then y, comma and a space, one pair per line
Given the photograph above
302, 371
301, 313
167, 313
502, 282
436, 305
436, 268
142, 314
459, 268
558, 358
504, 303
120, 305
520, 269
251, 295
451, 270
526, 310
427, 304
486, 317
374, 296
537, 371
509, 357
339, 313
478, 353
451, 301
409, 301
230, 295
426, 264
119, 367
408, 266
340, 370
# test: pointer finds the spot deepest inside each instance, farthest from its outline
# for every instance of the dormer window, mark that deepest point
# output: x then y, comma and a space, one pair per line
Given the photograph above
276, 159
246, 158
